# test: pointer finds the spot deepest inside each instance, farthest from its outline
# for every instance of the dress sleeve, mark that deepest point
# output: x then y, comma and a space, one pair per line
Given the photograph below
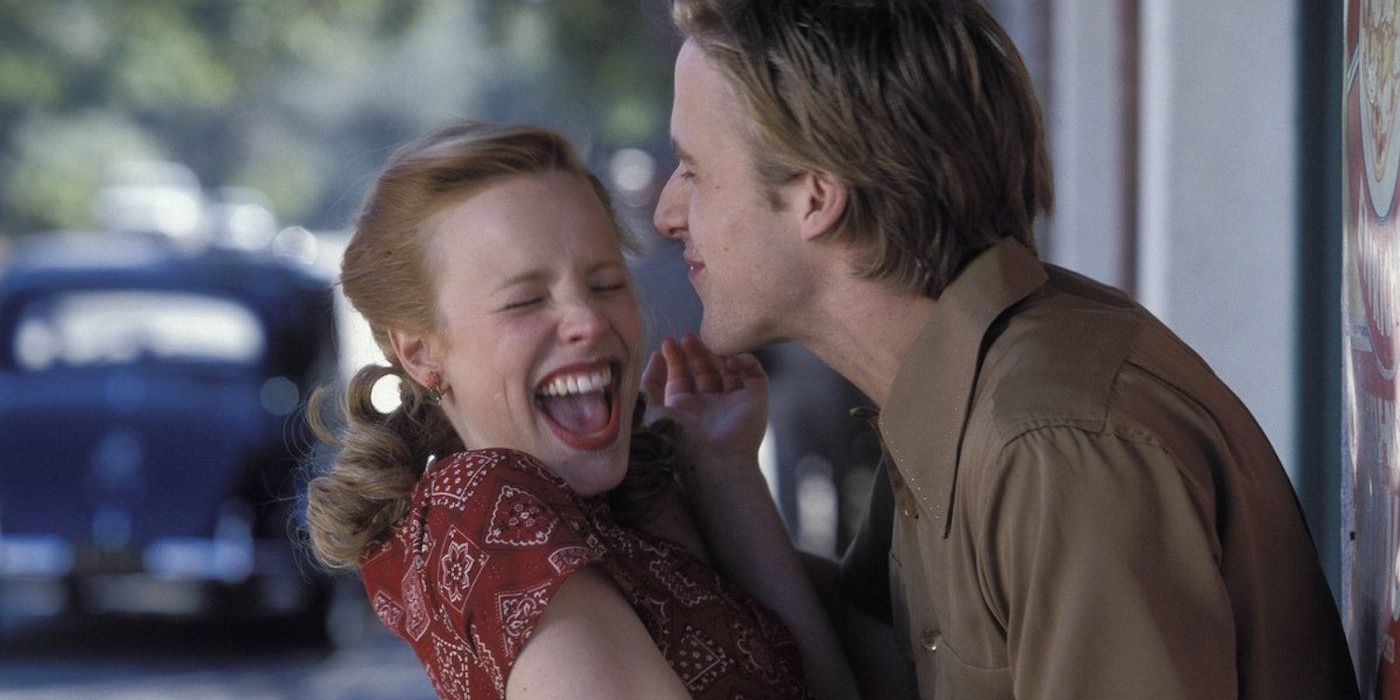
1102, 567
503, 534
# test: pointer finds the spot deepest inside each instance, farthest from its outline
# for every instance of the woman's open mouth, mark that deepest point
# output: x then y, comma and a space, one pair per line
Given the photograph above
579, 403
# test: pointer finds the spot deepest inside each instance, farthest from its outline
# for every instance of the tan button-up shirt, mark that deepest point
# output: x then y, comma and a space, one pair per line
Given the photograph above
1081, 509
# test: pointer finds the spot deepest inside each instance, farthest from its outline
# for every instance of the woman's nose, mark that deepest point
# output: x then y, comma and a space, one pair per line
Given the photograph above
581, 321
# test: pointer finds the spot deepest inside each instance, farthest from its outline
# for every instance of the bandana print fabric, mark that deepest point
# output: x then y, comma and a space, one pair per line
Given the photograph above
490, 536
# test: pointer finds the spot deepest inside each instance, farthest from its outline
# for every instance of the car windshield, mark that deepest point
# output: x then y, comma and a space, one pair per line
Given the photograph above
112, 327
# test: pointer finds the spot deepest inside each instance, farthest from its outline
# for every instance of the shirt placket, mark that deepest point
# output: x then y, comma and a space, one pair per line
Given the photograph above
921, 635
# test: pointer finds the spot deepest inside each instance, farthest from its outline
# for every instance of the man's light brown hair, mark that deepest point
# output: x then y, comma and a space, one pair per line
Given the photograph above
923, 108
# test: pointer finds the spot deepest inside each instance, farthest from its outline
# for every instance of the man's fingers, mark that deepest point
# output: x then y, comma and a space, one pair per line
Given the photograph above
703, 365
678, 380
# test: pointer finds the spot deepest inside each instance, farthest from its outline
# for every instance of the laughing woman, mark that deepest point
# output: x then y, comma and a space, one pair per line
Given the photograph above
513, 520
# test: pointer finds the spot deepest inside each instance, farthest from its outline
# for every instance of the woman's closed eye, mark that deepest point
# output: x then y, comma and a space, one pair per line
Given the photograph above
523, 303
528, 301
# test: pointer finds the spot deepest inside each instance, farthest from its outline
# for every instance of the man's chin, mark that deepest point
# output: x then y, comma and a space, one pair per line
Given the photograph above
726, 339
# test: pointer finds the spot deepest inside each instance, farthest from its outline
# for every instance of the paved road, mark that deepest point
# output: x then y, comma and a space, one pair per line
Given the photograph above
149, 660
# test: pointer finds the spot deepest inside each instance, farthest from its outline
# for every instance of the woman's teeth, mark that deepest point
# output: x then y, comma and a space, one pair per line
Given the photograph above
578, 383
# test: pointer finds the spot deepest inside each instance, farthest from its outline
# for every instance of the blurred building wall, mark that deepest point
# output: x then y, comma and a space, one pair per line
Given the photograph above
1086, 109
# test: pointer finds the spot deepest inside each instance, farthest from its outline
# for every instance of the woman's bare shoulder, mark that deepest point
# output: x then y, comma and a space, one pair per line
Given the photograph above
591, 644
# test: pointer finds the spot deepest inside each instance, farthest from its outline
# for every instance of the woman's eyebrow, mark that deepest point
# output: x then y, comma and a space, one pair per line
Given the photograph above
537, 276
605, 264
522, 278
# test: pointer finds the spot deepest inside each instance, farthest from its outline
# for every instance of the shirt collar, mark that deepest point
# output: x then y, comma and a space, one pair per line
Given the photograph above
923, 419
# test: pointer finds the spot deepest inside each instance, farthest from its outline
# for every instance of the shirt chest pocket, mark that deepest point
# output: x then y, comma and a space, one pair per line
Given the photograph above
921, 595
956, 679
940, 667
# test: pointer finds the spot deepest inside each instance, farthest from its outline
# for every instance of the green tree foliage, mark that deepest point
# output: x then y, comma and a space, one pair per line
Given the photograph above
302, 99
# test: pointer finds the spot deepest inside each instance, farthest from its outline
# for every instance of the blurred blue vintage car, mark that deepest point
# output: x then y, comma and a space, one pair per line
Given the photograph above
152, 427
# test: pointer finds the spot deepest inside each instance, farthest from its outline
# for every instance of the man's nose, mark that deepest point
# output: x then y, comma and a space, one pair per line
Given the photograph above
669, 218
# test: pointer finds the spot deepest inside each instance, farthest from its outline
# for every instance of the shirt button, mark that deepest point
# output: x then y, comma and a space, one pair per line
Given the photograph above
930, 639
911, 511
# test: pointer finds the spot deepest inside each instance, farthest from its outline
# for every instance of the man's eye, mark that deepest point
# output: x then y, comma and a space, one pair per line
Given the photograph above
687, 175
610, 287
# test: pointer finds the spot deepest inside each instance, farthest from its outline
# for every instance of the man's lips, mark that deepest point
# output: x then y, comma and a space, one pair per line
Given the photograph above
693, 266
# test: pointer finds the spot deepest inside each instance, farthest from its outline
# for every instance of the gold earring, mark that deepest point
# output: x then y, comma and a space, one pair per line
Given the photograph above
434, 395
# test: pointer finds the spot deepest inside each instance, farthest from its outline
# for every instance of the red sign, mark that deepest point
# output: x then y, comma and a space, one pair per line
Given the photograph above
1371, 478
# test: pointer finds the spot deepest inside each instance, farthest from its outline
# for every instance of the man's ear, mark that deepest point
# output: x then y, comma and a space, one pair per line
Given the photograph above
415, 354
822, 198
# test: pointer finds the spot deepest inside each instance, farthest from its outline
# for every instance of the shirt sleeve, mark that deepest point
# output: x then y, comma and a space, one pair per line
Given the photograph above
505, 533
1103, 567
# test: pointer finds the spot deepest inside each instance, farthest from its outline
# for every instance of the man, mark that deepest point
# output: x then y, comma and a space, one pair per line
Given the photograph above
1080, 508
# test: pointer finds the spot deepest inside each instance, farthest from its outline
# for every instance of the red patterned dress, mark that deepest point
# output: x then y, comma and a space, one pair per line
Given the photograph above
467, 573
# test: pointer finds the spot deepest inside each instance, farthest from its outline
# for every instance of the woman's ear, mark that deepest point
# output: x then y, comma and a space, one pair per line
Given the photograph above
823, 199
415, 353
